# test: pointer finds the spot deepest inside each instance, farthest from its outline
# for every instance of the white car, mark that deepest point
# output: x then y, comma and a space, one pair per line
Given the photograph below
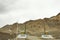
22, 36
47, 36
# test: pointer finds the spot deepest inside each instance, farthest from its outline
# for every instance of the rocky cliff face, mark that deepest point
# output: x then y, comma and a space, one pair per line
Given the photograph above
36, 27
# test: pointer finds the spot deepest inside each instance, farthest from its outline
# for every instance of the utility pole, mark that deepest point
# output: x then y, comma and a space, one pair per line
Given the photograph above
10, 31
25, 30
45, 28
16, 29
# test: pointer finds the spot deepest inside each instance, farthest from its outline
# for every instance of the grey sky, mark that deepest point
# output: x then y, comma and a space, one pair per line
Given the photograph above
23, 10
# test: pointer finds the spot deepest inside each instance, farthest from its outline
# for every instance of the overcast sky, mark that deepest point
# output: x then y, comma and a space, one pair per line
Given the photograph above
12, 11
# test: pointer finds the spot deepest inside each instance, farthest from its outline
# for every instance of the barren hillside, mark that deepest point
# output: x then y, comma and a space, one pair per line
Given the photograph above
36, 27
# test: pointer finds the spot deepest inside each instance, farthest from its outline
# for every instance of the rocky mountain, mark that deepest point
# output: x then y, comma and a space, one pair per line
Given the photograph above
36, 27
